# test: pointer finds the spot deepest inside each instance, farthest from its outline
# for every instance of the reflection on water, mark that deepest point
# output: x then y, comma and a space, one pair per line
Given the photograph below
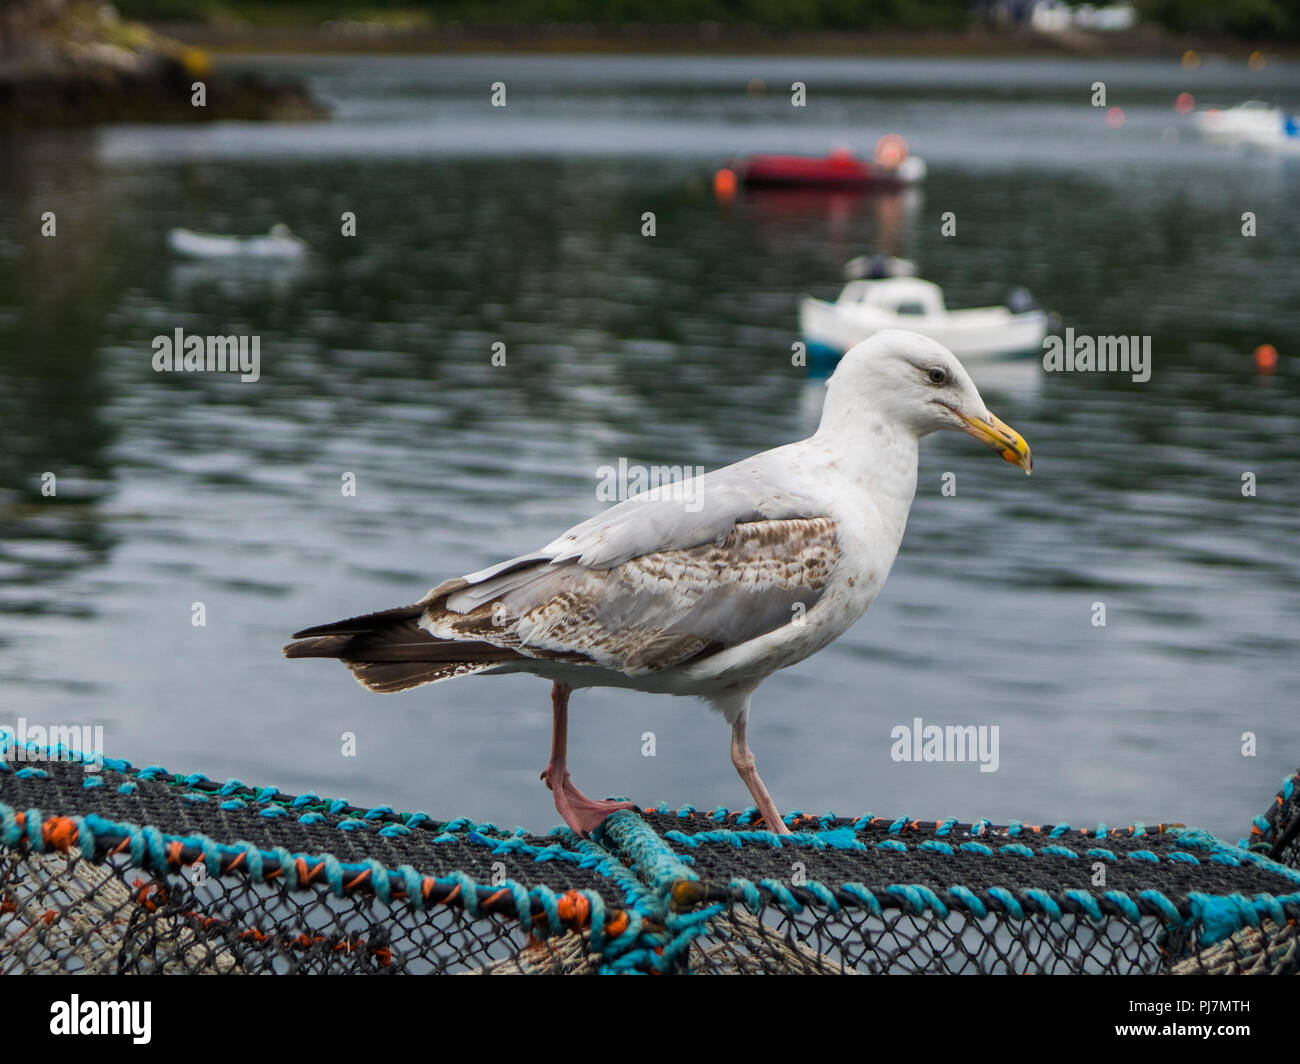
376, 360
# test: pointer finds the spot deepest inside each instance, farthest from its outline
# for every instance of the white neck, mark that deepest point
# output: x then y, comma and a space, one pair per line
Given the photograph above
874, 453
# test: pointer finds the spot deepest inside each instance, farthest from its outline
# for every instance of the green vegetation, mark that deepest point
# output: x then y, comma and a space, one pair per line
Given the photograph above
775, 14
1208, 18
1238, 18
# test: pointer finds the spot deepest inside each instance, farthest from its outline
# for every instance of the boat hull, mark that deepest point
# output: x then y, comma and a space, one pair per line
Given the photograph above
1253, 125
807, 171
829, 330
196, 245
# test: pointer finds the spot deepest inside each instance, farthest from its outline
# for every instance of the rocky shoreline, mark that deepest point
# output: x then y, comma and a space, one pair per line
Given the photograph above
66, 63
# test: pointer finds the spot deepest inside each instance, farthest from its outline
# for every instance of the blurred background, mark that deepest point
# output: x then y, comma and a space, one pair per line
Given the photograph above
523, 224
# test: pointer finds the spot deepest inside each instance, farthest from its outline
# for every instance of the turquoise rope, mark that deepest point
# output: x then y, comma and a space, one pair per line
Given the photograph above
655, 937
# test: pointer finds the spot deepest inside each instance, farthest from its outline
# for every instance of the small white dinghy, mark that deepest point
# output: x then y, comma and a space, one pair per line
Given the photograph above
279, 243
1252, 123
865, 307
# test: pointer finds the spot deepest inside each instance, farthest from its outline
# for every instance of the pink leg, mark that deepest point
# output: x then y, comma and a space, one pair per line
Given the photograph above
581, 813
743, 758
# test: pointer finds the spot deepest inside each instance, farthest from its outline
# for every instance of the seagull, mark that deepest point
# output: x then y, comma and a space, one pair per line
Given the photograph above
702, 587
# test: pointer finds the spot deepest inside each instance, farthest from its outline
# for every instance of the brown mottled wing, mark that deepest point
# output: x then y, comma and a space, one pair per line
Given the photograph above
651, 611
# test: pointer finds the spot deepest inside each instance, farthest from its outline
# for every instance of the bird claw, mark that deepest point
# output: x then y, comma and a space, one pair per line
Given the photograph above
584, 815
581, 813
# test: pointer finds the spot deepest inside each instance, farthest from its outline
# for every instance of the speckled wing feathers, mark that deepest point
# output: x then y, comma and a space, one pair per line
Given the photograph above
651, 611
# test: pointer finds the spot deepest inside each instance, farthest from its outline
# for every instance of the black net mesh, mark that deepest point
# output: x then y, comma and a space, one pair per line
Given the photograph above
901, 943
112, 869
1092, 901
65, 913
1277, 832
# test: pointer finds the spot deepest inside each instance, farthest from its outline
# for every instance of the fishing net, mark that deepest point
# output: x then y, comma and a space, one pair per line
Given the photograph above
106, 868
1277, 832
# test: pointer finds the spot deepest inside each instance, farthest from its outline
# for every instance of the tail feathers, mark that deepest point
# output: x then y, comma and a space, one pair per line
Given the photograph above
388, 651
389, 677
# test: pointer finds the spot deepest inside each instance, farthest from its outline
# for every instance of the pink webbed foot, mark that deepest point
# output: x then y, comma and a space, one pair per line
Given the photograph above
584, 815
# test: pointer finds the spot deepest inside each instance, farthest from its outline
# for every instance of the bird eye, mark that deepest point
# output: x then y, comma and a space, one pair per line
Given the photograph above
938, 375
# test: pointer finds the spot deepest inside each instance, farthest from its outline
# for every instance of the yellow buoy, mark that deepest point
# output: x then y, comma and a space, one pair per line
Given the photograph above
196, 61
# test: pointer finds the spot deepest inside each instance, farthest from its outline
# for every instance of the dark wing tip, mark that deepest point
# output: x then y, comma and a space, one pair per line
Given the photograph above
317, 647
367, 622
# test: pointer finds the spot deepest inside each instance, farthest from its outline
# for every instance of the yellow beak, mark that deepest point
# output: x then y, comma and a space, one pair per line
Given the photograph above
1002, 438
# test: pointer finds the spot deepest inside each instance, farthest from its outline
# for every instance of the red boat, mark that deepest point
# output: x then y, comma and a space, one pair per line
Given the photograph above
840, 169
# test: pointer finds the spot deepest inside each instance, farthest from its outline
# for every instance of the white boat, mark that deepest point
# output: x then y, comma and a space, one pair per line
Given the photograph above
279, 243
865, 307
1253, 123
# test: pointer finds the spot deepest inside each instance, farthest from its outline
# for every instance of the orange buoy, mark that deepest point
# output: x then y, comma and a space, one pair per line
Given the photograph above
891, 150
1266, 358
724, 183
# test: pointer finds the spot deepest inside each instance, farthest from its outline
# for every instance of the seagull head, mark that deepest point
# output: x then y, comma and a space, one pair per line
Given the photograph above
918, 383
